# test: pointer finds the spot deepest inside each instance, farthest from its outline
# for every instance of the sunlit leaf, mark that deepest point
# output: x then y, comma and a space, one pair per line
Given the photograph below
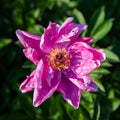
111, 94
28, 64
102, 30
97, 19
115, 103
100, 85
87, 96
4, 42
36, 29
111, 56
79, 16
106, 64
102, 71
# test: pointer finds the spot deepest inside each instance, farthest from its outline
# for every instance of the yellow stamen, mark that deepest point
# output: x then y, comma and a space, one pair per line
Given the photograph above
59, 59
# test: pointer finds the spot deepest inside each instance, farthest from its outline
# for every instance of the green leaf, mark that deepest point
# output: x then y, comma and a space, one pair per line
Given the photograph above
96, 115
102, 30
55, 108
79, 16
25, 102
111, 56
87, 97
4, 42
100, 85
97, 18
50, 4
34, 13
111, 94
36, 29
28, 64
85, 115
115, 103
102, 71
105, 64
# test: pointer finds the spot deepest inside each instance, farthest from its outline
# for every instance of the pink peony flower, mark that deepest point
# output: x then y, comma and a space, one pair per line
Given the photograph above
64, 61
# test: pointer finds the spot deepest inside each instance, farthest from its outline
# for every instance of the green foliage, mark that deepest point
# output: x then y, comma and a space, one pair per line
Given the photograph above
102, 18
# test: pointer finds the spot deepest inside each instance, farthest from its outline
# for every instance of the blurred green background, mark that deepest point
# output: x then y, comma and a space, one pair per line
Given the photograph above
103, 18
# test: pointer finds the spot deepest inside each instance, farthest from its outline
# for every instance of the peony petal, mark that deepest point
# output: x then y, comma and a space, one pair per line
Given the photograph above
82, 82
43, 93
48, 74
29, 40
32, 55
97, 54
62, 42
49, 37
87, 40
82, 58
68, 33
38, 74
70, 92
66, 23
89, 84
28, 84
60, 37
34, 80
86, 65
72, 30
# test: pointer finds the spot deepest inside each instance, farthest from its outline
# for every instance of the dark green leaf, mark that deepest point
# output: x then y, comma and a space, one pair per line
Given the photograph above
14, 116
96, 115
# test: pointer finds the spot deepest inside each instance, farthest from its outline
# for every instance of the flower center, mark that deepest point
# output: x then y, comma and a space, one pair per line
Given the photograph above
59, 59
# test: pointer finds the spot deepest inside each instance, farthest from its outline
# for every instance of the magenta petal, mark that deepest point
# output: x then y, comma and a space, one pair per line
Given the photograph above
70, 92
97, 54
89, 84
83, 82
82, 59
87, 40
29, 40
28, 84
49, 37
84, 67
75, 29
38, 74
62, 42
32, 55
43, 93
71, 29
66, 23
48, 74
34, 80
